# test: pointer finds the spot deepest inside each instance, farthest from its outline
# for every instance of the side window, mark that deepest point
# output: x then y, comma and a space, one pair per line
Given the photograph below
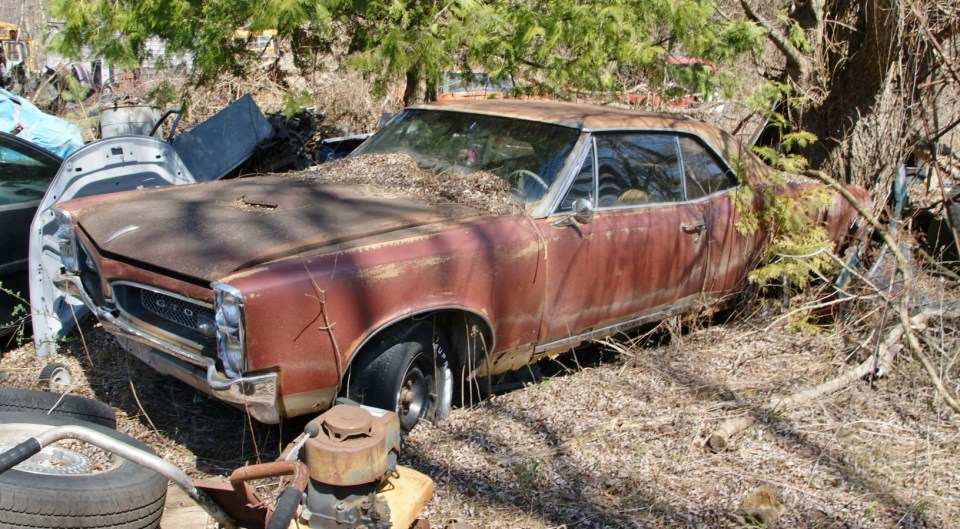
703, 171
22, 177
582, 185
638, 168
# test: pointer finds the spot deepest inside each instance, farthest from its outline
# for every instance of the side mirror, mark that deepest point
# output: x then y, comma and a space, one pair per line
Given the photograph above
582, 210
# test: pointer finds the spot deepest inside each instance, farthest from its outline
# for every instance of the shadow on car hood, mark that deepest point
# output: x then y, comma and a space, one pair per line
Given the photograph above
209, 230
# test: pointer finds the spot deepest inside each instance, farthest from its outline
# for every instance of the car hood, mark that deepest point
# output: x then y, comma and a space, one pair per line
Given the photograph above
207, 231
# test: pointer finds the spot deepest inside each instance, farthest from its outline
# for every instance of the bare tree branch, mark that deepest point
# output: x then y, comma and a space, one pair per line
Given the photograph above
793, 55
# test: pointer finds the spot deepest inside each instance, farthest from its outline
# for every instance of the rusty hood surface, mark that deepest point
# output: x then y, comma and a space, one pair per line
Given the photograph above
207, 231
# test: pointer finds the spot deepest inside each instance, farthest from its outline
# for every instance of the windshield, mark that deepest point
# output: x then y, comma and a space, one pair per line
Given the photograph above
527, 154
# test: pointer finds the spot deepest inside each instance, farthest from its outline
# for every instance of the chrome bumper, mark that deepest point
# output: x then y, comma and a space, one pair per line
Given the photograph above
255, 394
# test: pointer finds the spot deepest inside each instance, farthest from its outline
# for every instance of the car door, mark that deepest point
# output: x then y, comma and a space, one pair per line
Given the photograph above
642, 252
710, 181
25, 172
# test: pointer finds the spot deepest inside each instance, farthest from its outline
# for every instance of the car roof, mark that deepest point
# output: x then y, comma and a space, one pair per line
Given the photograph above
595, 117
575, 115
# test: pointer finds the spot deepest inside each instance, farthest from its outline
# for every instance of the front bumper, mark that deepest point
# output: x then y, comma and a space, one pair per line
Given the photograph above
256, 394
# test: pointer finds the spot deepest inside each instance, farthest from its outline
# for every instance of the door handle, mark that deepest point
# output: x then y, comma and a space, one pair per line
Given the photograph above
693, 228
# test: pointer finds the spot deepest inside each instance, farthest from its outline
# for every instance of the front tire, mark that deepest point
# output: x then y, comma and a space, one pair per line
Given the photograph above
408, 373
63, 487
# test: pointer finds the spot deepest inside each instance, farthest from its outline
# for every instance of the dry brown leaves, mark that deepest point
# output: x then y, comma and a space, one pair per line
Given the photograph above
618, 443
621, 444
201, 436
399, 175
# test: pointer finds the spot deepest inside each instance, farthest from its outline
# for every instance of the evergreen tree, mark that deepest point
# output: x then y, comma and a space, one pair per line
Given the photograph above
549, 45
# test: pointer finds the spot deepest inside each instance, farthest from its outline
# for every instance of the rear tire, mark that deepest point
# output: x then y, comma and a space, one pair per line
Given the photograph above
71, 406
407, 373
123, 496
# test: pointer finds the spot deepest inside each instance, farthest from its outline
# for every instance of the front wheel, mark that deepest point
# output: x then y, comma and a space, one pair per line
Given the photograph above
408, 373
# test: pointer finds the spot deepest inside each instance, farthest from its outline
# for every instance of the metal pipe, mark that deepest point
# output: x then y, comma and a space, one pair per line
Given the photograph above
240, 476
142, 458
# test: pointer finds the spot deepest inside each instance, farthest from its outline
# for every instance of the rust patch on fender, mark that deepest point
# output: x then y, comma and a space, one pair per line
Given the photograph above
392, 270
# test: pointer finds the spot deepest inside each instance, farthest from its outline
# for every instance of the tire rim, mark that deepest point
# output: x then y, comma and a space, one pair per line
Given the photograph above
55, 459
60, 379
415, 393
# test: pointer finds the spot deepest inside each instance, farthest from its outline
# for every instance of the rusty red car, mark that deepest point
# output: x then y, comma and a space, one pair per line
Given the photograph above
277, 295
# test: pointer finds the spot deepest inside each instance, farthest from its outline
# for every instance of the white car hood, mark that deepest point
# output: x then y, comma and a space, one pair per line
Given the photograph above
116, 164
209, 151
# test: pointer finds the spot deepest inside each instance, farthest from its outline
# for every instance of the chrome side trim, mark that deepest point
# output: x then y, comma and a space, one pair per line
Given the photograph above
623, 326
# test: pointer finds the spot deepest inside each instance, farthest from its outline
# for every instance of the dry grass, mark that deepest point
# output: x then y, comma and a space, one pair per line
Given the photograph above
619, 442
343, 98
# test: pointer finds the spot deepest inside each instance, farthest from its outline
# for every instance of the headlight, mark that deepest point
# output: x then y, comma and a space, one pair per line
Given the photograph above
229, 312
228, 317
67, 240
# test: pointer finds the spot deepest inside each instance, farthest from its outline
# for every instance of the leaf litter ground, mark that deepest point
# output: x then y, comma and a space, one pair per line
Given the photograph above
617, 442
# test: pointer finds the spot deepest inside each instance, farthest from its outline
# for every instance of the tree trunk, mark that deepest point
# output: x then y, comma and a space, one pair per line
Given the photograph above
870, 64
411, 94
858, 121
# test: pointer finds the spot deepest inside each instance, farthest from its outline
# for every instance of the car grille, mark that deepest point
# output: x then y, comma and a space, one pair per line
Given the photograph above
185, 317
174, 309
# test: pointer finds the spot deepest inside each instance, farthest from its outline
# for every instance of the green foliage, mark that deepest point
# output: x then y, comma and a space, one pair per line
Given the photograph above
74, 91
293, 103
749, 221
803, 323
797, 37
799, 245
547, 45
19, 314
163, 95
744, 200
797, 139
792, 163
785, 156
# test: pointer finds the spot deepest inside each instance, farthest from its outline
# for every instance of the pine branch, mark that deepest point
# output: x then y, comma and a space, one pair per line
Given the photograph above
779, 40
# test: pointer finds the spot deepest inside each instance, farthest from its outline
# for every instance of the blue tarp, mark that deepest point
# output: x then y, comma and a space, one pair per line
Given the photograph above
50, 132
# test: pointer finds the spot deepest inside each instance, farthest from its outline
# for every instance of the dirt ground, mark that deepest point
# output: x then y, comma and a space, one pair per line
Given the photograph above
617, 441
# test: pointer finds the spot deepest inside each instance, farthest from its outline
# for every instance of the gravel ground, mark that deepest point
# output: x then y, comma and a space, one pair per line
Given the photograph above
617, 441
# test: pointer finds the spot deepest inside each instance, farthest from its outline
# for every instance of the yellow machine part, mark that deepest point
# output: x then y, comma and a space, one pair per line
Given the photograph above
407, 494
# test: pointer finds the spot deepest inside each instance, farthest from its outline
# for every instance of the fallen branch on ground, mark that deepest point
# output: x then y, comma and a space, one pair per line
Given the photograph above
905, 319
876, 365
